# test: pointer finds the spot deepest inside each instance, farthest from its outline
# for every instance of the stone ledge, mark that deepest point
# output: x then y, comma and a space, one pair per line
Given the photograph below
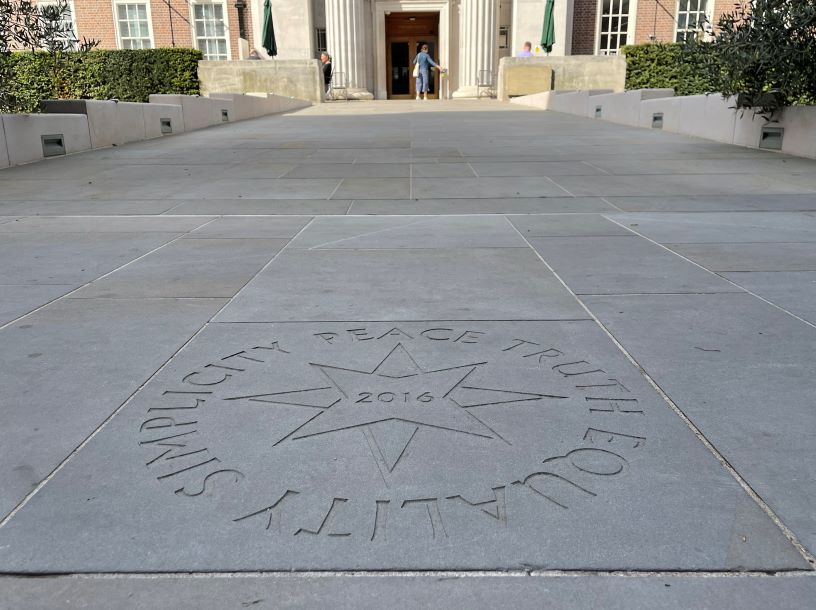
703, 116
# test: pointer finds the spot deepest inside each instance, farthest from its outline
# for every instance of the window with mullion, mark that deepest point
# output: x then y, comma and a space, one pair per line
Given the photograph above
67, 20
614, 26
211, 30
691, 14
133, 25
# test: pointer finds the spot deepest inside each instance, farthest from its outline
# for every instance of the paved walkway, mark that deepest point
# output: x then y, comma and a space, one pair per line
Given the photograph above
548, 360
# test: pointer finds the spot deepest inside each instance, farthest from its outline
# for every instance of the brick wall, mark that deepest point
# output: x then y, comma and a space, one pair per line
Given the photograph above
96, 19
655, 17
584, 21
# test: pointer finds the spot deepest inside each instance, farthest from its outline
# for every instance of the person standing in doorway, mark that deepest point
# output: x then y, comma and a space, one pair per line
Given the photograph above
424, 62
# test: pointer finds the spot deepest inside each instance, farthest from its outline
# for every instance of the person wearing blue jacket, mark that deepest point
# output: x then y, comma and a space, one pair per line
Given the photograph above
424, 61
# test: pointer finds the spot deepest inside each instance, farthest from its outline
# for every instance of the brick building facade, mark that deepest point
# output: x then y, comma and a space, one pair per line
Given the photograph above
583, 27
209, 25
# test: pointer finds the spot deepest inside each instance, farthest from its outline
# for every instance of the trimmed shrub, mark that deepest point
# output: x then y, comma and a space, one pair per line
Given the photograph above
689, 69
127, 75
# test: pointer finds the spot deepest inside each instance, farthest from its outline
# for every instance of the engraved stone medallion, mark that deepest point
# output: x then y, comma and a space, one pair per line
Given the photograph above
383, 445
391, 434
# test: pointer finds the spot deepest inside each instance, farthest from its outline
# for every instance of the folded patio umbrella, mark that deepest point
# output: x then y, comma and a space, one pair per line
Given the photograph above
548, 31
269, 42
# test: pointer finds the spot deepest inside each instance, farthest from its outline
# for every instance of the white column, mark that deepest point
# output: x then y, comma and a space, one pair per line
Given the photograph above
478, 31
346, 40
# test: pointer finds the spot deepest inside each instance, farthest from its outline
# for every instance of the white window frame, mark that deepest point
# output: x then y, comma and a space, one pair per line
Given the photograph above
225, 4
116, 4
321, 32
630, 27
707, 13
73, 12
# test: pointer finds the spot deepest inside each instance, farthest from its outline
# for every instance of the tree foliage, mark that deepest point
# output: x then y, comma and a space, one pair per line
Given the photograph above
127, 75
25, 25
767, 51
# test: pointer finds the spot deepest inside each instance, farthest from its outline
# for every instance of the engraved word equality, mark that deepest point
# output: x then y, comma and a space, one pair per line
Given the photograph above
373, 432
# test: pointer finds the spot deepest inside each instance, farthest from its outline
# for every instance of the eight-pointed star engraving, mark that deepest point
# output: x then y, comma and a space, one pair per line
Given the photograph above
392, 401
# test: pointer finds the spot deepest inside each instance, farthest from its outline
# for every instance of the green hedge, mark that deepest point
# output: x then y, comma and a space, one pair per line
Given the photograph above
688, 69
128, 75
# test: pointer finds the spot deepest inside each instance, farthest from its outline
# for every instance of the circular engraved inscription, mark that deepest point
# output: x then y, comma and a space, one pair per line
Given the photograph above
379, 433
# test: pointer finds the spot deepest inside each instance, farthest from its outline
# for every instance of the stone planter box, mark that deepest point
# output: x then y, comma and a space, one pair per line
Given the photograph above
199, 112
703, 116
24, 134
528, 75
625, 107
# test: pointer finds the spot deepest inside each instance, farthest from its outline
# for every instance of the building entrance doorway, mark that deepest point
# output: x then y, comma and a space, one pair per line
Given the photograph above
405, 33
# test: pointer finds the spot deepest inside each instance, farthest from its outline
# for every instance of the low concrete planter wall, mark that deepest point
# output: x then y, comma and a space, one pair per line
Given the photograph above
113, 123
198, 112
253, 105
162, 120
24, 134
86, 124
528, 75
703, 116
296, 78
624, 108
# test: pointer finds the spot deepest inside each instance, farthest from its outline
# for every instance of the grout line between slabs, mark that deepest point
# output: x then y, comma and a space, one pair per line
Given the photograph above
714, 273
792, 538
605, 200
104, 275
127, 401
310, 574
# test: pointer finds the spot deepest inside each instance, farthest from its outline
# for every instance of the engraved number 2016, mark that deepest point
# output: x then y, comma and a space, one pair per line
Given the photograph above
371, 397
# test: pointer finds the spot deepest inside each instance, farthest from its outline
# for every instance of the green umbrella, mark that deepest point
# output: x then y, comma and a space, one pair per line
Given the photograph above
269, 42
548, 31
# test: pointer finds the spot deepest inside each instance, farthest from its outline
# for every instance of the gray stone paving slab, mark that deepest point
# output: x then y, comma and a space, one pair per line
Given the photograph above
751, 256
424, 445
350, 170
373, 188
356, 155
289, 188
506, 205
442, 170
260, 206
480, 283
266, 170
73, 258
716, 203
623, 265
485, 188
252, 227
188, 268
435, 438
793, 290
743, 373
568, 592
61, 224
566, 225
69, 366
409, 232
16, 301
690, 184
92, 207
723, 227
102, 189
551, 168
762, 164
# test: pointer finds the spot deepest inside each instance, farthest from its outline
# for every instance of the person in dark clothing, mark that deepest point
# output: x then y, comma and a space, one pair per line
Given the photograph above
325, 59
